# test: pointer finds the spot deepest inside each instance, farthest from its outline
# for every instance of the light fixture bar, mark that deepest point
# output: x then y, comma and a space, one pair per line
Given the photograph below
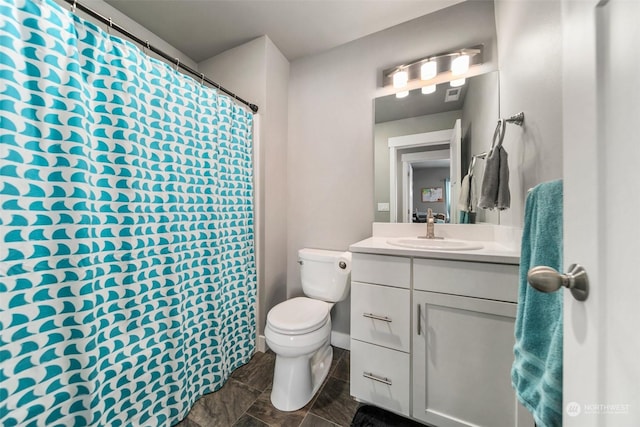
419, 70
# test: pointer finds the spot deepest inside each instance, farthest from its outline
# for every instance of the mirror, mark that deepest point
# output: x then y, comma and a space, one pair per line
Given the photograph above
425, 144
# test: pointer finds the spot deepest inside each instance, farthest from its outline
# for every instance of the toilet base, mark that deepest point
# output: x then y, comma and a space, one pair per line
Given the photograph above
297, 379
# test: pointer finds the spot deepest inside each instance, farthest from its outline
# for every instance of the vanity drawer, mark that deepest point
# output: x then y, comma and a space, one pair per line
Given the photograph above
380, 315
380, 376
472, 279
381, 270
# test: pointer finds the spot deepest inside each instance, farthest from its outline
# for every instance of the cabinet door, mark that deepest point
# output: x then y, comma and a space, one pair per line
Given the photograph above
462, 355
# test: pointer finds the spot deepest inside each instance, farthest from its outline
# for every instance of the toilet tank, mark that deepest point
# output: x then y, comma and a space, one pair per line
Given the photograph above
325, 275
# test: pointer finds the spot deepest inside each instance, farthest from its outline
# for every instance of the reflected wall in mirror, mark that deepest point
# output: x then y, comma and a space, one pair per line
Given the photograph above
416, 145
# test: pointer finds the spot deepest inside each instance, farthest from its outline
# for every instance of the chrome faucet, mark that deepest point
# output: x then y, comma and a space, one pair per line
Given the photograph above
430, 225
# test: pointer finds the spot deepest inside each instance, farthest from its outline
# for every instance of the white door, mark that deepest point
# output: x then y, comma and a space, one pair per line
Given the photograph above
407, 191
455, 171
601, 112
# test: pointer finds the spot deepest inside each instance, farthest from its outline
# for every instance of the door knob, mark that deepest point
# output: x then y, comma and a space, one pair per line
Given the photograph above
546, 279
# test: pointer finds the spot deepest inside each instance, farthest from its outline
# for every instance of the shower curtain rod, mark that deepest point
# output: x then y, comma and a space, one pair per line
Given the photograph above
145, 43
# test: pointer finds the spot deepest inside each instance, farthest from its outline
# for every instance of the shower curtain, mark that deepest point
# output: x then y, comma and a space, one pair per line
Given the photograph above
127, 272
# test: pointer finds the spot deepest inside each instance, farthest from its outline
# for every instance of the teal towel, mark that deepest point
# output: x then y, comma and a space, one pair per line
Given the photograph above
536, 374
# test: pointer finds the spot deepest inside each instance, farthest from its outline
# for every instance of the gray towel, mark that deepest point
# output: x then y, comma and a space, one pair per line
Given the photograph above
494, 192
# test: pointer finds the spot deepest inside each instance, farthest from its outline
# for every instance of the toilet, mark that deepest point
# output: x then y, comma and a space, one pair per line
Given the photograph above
298, 330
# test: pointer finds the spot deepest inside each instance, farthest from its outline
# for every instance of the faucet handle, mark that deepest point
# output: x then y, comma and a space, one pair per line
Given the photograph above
429, 213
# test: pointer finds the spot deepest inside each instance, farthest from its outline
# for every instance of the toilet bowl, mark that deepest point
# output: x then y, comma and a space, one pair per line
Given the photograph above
303, 357
298, 330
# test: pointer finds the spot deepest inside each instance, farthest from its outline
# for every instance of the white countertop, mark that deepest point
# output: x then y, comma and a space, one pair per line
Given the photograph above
496, 247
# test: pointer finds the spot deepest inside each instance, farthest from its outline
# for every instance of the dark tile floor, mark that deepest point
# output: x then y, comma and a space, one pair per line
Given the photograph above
245, 399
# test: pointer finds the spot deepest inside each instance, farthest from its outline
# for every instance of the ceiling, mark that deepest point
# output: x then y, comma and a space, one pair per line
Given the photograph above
202, 29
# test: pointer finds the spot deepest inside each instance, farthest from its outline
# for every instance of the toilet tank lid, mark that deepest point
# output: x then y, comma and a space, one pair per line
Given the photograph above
321, 254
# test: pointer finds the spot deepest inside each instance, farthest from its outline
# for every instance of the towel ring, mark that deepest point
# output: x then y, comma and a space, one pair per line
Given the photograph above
473, 162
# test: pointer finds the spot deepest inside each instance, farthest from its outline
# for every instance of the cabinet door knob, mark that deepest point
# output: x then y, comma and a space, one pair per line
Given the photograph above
546, 279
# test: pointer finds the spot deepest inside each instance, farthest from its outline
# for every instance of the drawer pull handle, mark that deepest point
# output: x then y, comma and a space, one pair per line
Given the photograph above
383, 380
376, 317
419, 316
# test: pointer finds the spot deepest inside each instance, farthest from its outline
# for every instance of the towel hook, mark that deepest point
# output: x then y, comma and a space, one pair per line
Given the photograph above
546, 279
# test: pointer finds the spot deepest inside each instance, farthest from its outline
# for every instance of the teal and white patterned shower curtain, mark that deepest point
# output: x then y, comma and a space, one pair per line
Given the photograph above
127, 272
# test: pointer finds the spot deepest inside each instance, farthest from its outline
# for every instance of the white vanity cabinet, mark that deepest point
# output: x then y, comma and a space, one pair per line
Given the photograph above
439, 345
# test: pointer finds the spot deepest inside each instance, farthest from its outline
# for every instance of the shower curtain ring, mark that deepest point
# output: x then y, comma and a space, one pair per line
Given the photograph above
73, 6
110, 26
177, 63
147, 46
202, 79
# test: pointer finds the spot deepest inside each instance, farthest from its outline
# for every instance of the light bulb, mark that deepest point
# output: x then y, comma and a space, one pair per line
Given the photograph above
400, 79
428, 70
456, 83
460, 65
426, 90
403, 94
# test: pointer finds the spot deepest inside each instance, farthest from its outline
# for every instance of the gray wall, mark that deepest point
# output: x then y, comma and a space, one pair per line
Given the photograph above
330, 143
258, 72
428, 178
317, 181
479, 118
382, 132
530, 51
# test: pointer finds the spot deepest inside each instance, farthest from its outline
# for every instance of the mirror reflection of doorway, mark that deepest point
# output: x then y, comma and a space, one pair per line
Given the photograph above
426, 185
424, 162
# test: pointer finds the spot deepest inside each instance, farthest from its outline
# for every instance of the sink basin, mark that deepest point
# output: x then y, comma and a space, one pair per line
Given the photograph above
435, 244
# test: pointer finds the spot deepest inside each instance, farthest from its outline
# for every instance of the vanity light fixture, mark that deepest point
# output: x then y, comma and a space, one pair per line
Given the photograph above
426, 90
428, 70
452, 66
400, 79
460, 65
402, 94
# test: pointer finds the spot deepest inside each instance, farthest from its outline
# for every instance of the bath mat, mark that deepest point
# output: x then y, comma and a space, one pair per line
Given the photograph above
370, 416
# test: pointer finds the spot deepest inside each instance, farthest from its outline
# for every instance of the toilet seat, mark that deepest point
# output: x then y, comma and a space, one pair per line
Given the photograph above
298, 316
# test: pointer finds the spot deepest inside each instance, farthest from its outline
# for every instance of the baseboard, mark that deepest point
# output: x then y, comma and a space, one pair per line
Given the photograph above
341, 340
261, 344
